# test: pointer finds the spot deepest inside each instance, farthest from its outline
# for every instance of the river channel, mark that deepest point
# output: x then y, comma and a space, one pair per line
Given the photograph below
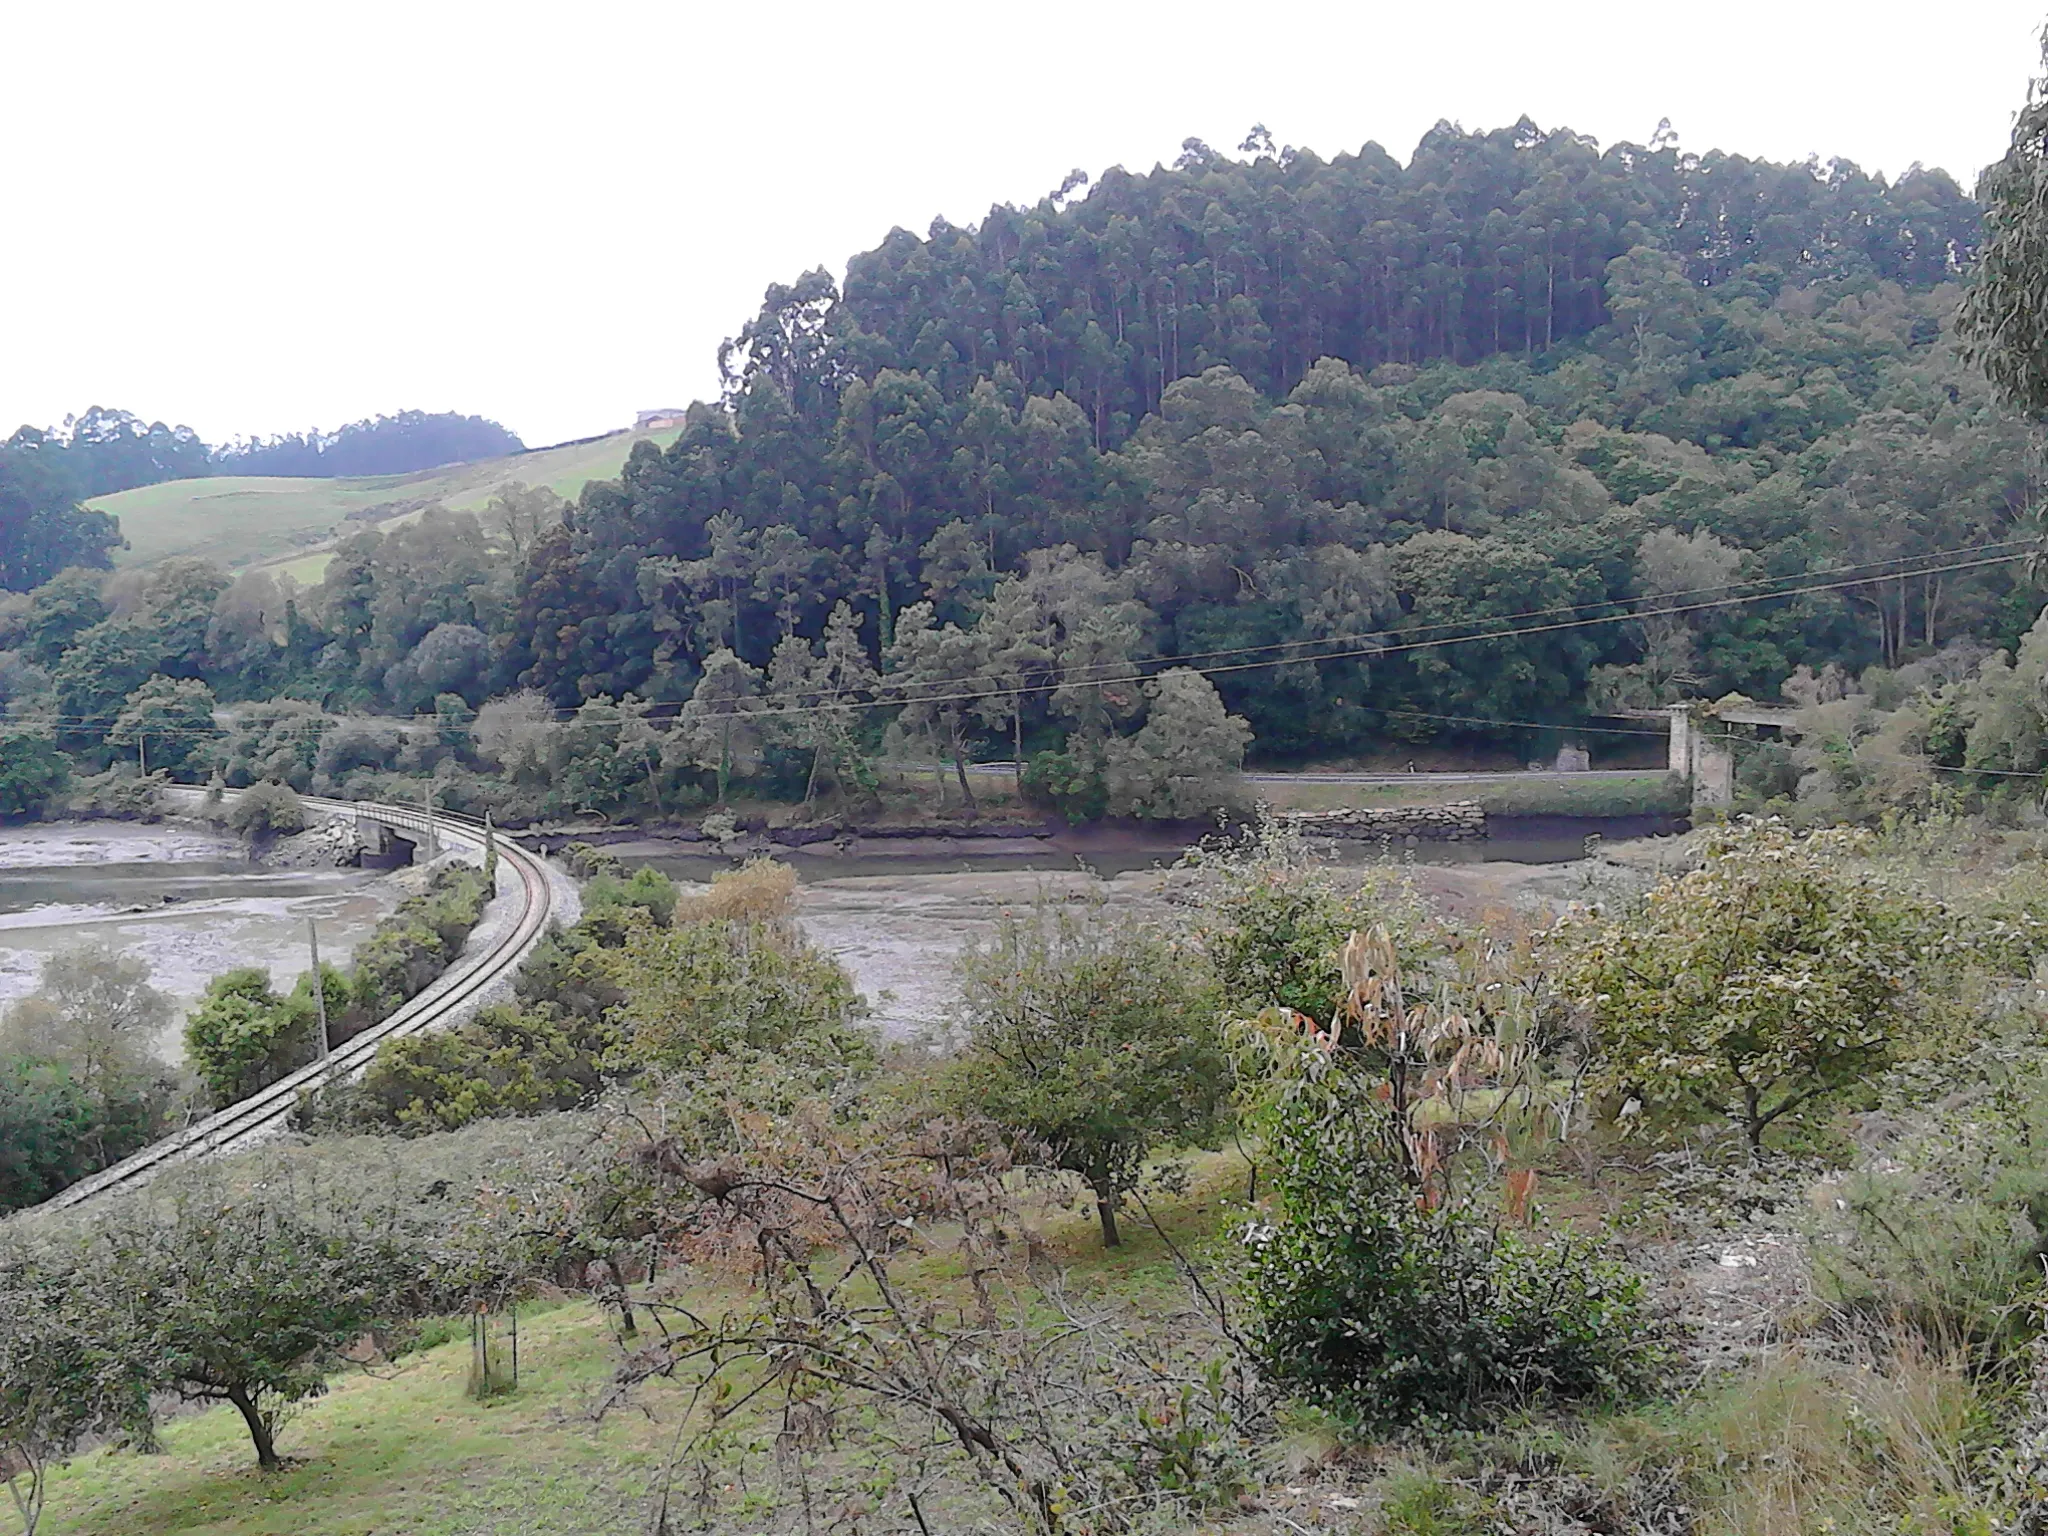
186, 900
191, 903
897, 920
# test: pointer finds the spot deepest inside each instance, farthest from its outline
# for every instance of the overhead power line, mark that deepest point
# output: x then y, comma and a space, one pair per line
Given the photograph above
767, 709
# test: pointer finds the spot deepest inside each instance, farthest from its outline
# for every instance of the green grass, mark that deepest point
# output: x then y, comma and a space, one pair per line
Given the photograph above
1511, 794
404, 1450
243, 520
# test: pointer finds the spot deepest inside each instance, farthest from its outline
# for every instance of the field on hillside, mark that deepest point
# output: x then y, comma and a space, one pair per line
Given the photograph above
243, 520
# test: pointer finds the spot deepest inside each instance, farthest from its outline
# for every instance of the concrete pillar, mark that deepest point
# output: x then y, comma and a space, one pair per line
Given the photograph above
1679, 758
1713, 771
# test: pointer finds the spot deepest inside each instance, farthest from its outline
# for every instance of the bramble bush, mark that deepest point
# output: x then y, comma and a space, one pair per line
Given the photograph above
1402, 1278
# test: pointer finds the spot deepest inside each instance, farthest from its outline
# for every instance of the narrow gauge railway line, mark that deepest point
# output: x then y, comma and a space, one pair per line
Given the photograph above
469, 981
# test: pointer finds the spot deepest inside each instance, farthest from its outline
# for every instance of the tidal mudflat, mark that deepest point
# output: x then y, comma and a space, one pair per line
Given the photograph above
185, 899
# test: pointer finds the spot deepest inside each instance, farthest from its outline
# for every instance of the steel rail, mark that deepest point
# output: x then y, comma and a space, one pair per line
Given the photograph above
465, 982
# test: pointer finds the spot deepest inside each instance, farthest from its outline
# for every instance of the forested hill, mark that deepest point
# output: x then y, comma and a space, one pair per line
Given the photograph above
1383, 453
1285, 399
1484, 244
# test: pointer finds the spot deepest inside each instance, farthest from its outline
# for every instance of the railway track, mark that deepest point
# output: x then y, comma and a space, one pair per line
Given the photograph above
464, 984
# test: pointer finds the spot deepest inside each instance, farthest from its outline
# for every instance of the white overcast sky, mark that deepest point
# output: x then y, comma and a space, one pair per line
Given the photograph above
264, 217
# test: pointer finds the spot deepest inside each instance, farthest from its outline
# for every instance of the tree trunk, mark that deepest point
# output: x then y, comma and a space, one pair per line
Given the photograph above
628, 1325
811, 784
960, 770
259, 1428
28, 1501
1105, 1212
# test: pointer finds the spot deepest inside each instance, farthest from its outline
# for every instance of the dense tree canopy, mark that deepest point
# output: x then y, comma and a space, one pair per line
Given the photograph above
1388, 453
377, 445
42, 528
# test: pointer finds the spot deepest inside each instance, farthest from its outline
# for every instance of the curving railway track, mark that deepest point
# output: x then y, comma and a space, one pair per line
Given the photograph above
465, 984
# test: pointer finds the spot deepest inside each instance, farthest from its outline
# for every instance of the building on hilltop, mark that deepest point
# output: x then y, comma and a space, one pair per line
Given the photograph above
657, 421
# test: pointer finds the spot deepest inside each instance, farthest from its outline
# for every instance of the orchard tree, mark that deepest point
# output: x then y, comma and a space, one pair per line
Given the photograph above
1769, 978
1098, 1038
248, 1298
64, 1376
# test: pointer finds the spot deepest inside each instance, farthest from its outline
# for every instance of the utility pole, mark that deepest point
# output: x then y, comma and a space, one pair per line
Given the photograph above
141, 755
433, 842
319, 984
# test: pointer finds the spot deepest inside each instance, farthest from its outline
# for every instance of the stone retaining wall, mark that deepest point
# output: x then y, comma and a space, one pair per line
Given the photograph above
1458, 821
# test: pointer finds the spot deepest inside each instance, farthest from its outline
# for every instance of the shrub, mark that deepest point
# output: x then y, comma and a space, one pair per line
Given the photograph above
616, 996
761, 890
412, 946
242, 1037
267, 810
1947, 1235
586, 862
119, 794
1399, 1310
1272, 915
647, 890
1402, 1279
1768, 978
500, 1062
46, 1125
708, 988
1069, 782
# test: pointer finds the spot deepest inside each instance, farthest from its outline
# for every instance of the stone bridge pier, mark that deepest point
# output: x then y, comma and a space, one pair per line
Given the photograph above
1702, 751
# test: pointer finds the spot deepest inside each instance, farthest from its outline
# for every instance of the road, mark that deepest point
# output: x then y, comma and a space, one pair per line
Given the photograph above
1317, 776
463, 986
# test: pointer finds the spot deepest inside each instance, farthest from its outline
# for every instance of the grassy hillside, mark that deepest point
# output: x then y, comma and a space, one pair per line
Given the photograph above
242, 520
403, 1449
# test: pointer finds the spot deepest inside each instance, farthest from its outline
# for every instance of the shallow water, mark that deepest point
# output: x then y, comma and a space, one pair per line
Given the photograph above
898, 915
185, 900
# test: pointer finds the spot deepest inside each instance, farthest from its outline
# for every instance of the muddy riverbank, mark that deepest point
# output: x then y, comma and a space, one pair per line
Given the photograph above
182, 897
